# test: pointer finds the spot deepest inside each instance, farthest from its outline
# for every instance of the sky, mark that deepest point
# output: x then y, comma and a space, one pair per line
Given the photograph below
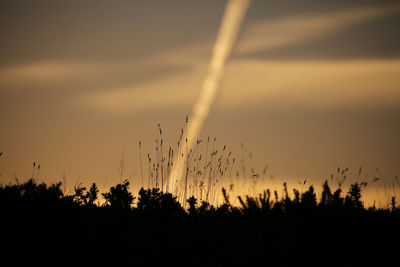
310, 86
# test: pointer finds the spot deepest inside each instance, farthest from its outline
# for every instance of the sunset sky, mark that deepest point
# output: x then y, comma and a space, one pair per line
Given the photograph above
310, 85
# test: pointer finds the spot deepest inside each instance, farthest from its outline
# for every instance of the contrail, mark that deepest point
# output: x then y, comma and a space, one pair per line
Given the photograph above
230, 25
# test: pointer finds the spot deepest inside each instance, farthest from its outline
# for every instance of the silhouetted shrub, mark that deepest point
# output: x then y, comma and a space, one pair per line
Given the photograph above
262, 227
119, 196
31, 193
205, 209
154, 201
85, 197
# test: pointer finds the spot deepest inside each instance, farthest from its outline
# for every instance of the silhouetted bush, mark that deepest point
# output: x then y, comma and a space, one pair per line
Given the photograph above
85, 197
31, 194
283, 230
119, 196
156, 202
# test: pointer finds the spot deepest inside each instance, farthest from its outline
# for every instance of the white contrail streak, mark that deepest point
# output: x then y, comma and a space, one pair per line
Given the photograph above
230, 25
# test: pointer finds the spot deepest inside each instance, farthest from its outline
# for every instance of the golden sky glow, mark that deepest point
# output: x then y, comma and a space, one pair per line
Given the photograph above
310, 86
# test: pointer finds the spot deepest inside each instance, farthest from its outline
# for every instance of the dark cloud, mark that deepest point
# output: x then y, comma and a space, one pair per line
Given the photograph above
103, 30
271, 9
375, 39
130, 30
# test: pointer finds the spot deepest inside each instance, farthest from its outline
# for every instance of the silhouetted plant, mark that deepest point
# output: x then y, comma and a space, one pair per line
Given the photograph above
254, 205
226, 197
205, 209
309, 198
30, 194
277, 205
155, 201
119, 196
326, 196
393, 206
80, 196
192, 205
353, 199
226, 207
337, 200
286, 201
296, 199
265, 200
92, 194
32, 191
85, 197
284, 222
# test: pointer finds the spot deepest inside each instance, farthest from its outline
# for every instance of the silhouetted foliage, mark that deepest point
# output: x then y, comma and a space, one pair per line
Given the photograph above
280, 228
353, 199
309, 199
85, 197
393, 205
154, 201
326, 197
30, 193
119, 196
192, 210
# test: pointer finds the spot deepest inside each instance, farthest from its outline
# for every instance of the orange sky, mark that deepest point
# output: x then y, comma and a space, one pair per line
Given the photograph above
310, 85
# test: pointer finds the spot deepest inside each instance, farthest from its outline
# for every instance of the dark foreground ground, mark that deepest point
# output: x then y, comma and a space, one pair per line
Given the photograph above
40, 226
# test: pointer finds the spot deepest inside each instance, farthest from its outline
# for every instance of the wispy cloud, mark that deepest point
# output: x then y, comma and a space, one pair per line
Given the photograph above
302, 84
47, 70
312, 84
248, 81
172, 91
289, 30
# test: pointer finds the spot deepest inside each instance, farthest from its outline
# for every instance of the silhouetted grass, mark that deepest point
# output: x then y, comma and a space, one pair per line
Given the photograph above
41, 224
186, 222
